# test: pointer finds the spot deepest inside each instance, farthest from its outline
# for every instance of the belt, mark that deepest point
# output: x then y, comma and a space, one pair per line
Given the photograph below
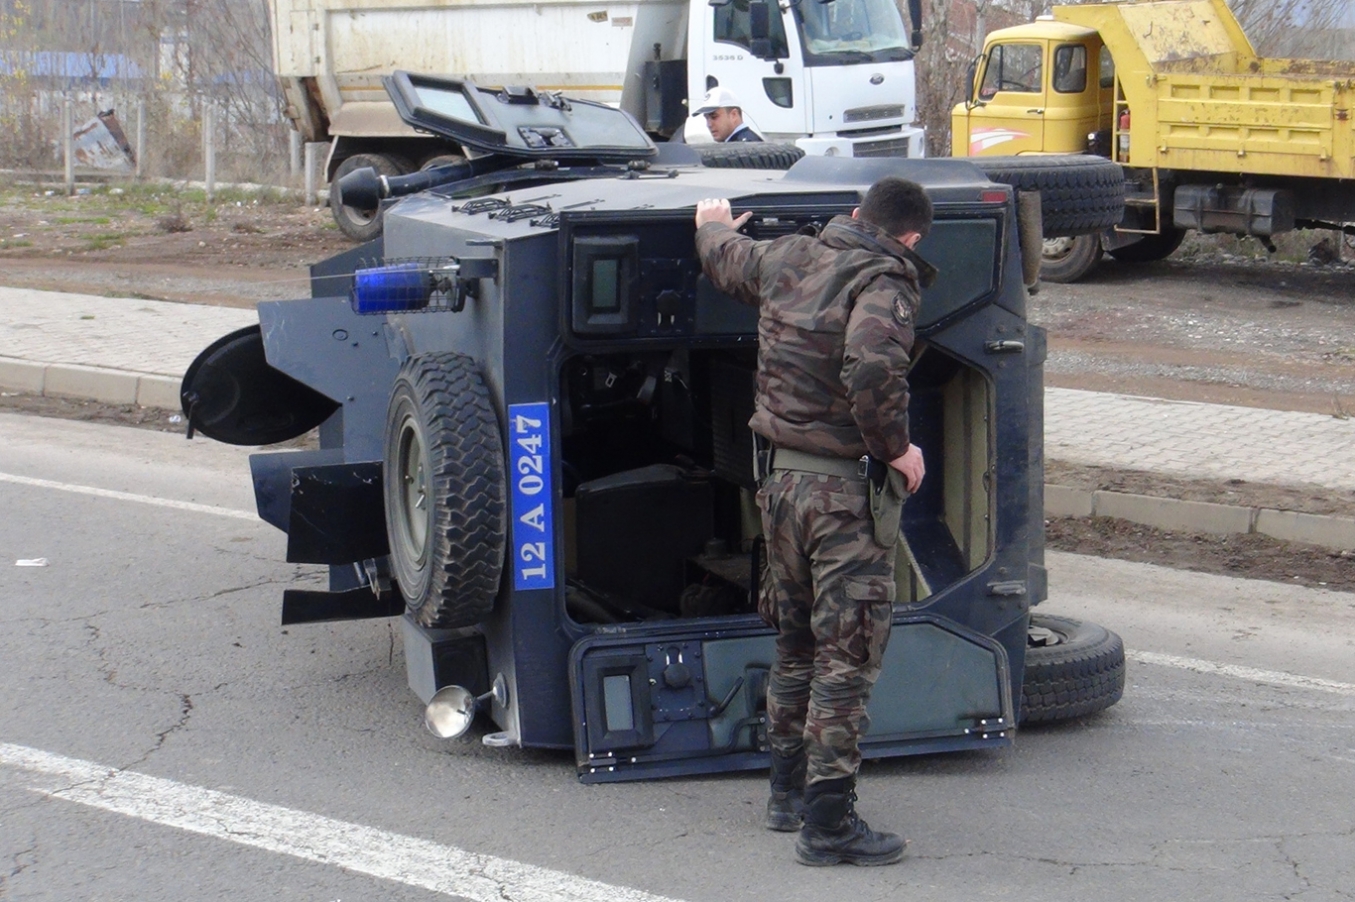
847, 468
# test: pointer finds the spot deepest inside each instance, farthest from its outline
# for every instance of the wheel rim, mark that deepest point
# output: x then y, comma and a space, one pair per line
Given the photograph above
415, 513
361, 217
1042, 637
1057, 248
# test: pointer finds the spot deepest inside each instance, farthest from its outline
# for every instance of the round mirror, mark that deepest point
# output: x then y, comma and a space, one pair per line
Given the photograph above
449, 712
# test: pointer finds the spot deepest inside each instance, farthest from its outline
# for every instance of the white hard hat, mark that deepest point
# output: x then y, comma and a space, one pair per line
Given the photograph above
715, 99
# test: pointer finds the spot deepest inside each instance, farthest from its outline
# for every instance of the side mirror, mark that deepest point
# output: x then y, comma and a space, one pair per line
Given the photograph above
915, 17
972, 98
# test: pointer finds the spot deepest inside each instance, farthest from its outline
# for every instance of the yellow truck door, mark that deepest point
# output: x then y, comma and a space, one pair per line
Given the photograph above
1009, 110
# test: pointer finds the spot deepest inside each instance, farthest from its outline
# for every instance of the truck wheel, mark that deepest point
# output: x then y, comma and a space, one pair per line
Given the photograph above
359, 224
1150, 247
444, 491
1079, 193
442, 159
1069, 259
748, 155
1073, 668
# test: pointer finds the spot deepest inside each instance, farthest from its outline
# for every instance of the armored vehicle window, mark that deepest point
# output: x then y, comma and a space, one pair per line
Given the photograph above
964, 251
449, 103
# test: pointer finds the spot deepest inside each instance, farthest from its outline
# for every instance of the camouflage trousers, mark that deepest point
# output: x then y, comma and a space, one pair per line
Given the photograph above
828, 590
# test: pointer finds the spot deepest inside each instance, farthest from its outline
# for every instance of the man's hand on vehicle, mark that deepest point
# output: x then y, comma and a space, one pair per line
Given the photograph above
910, 465
717, 210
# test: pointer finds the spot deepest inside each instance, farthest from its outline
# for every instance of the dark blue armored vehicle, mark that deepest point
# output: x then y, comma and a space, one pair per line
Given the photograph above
533, 445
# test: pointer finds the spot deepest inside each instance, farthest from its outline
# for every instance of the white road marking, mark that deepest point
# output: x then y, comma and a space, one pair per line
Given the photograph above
1251, 674
354, 847
128, 496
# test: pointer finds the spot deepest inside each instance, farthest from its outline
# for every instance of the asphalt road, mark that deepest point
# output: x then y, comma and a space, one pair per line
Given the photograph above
161, 737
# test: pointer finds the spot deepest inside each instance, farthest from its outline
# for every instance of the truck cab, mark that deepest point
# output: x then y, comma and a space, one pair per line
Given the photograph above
832, 78
1038, 88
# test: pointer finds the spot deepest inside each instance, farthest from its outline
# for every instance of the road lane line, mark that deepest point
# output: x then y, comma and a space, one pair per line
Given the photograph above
128, 496
312, 837
1251, 674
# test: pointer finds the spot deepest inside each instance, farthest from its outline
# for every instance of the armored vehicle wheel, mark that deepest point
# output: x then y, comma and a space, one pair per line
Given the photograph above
748, 155
358, 224
1069, 259
444, 491
1073, 668
1150, 247
1080, 194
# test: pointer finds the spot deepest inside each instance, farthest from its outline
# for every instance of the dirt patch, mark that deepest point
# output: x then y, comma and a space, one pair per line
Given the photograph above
1249, 556
154, 418
159, 243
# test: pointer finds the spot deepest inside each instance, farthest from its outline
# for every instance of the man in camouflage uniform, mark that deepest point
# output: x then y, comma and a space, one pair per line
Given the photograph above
835, 331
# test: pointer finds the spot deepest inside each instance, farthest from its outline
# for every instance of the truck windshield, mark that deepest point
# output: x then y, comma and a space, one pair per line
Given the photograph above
843, 32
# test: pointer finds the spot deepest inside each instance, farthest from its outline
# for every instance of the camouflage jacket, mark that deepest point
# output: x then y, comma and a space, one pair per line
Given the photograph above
835, 330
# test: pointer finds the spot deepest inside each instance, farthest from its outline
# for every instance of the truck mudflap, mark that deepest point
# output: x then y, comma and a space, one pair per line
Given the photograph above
675, 701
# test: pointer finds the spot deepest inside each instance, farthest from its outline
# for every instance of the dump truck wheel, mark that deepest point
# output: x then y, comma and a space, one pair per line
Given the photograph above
1069, 259
442, 159
1150, 247
444, 491
1080, 194
358, 224
748, 155
1073, 668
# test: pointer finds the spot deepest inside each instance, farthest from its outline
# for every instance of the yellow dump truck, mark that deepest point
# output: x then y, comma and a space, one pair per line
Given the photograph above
1210, 135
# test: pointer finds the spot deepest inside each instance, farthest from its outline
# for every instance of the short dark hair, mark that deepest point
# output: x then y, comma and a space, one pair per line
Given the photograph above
898, 206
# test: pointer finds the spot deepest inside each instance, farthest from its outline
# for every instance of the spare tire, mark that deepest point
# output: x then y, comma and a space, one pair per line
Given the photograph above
444, 478
748, 155
1073, 668
1079, 193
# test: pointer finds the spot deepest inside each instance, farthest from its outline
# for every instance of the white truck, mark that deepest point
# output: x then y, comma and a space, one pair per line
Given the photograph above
831, 76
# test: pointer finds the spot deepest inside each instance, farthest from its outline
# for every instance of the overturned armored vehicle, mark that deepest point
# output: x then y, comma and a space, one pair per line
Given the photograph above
533, 447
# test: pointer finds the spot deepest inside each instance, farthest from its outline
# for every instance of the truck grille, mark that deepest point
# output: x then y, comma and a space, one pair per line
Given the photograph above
894, 147
867, 113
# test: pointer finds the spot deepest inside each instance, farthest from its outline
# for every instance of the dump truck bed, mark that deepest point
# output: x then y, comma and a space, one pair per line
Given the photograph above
1201, 99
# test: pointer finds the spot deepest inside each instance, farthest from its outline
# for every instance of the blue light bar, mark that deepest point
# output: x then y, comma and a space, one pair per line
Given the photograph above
385, 289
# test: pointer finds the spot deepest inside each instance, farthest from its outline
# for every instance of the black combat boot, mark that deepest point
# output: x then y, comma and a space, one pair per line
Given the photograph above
833, 833
785, 807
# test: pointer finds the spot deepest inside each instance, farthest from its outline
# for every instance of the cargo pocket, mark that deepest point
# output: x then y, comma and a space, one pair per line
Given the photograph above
874, 603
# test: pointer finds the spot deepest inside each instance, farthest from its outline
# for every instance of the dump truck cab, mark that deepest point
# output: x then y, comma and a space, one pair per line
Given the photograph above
1037, 88
534, 449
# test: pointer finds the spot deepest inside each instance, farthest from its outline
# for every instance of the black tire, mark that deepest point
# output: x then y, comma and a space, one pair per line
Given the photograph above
1150, 247
444, 491
1073, 668
748, 155
359, 224
1079, 193
1069, 259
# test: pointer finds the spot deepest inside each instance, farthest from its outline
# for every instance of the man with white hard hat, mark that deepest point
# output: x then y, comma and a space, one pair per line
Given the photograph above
724, 117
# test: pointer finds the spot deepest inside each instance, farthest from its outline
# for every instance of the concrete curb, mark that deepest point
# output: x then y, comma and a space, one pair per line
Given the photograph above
90, 383
150, 390
1337, 533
